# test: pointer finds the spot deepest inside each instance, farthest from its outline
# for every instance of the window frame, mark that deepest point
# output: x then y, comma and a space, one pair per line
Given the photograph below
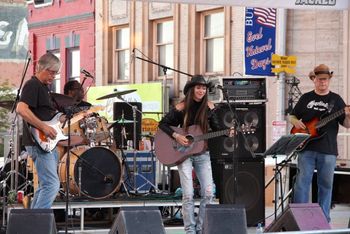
156, 46
115, 59
204, 39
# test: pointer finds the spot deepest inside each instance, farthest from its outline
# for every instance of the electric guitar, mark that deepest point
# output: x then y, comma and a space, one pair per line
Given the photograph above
313, 127
169, 152
46, 143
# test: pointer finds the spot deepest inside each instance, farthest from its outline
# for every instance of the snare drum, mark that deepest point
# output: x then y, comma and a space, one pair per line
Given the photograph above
98, 169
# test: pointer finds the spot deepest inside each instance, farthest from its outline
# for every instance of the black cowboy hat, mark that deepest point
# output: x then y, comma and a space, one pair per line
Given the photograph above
196, 80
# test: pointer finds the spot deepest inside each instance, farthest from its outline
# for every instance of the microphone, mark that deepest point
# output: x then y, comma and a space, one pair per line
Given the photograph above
212, 86
86, 73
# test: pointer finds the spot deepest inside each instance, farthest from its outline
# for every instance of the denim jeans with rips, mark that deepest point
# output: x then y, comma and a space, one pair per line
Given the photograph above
202, 167
325, 165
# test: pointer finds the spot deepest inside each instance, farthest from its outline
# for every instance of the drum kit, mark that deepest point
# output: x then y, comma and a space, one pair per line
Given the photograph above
97, 168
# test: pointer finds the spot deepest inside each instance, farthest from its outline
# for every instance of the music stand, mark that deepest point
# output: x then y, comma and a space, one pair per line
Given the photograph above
286, 145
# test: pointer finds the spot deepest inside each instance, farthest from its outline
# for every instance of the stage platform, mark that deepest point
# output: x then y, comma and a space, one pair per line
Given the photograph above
80, 220
79, 207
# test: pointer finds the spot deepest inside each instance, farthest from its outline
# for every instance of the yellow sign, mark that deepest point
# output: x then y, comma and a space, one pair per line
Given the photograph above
283, 63
149, 126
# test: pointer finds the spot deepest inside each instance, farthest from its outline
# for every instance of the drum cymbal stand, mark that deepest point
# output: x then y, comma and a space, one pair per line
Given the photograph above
134, 109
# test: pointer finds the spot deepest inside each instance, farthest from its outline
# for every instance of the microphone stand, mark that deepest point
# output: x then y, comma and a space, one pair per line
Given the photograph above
165, 69
13, 151
238, 130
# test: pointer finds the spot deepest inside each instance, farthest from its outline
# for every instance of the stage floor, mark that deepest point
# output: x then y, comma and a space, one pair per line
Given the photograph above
86, 216
340, 217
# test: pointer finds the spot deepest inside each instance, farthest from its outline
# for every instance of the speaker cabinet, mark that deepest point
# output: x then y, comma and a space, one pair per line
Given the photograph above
38, 221
139, 220
123, 110
228, 219
251, 118
300, 217
250, 187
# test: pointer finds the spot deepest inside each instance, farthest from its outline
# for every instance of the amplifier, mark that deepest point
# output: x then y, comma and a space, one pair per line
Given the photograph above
245, 88
145, 168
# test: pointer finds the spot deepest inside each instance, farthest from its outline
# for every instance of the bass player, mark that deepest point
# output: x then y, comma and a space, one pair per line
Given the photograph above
320, 152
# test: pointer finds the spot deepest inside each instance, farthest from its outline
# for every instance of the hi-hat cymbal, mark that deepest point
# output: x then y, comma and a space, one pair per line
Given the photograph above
63, 100
7, 104
116, 94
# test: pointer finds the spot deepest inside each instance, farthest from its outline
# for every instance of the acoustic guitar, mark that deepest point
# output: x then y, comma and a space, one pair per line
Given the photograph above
170, 153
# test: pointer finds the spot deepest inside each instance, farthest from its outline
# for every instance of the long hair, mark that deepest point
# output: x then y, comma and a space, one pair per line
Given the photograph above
201, 117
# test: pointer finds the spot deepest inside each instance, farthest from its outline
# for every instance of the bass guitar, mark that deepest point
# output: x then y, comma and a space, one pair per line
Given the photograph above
313, 127
169, 152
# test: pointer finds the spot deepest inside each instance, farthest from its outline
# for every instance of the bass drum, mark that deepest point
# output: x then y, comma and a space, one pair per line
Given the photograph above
100, 173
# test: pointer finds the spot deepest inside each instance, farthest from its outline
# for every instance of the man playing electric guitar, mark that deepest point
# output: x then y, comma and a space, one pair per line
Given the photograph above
321, 151
35, 106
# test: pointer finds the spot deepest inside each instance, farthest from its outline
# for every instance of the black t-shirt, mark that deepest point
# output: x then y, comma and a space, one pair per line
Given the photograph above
311, 106
36, 95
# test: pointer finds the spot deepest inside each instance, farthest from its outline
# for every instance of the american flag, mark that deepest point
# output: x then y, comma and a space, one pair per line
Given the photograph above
266, 16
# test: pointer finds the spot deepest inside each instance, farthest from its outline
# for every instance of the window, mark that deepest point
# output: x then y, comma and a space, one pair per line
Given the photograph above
73, 66
56, 84
121, 55
41, 3
214, 42
165, 46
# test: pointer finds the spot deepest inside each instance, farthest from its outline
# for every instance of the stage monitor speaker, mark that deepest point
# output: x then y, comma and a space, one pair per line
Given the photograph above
251, 118
140, 220
38, 221
228, 219
120, 110
250, 178
300, 217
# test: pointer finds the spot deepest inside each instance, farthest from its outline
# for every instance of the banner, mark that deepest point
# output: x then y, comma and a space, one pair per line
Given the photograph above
289, 4
149, 94
259, 40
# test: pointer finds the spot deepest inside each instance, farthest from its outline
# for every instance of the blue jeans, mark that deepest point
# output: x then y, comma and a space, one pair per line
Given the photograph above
325, 165
46, 166
202, 167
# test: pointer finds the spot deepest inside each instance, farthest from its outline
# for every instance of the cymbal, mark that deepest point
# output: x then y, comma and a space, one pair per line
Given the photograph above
63, 100
7, 104
116, 94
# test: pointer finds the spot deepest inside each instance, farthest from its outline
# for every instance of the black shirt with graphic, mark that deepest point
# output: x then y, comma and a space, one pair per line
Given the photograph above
312, 105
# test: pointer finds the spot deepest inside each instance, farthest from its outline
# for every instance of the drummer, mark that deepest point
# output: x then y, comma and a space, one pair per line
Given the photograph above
74, 89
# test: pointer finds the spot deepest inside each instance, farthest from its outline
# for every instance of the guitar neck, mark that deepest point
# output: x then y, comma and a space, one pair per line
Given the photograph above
210, 135
329, 118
